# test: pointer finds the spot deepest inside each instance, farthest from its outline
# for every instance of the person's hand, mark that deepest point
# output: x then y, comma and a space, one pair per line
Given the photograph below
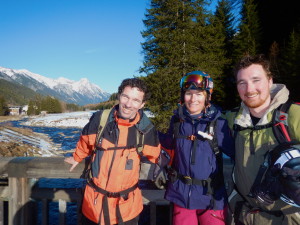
71, 161
159, 176
159, 172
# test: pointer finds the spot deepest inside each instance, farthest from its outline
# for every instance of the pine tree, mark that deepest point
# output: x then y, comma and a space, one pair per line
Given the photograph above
33, 107
225, 19
180, 37
3, 107
247, 39
290, 68
166, 48
210, 50
278, 19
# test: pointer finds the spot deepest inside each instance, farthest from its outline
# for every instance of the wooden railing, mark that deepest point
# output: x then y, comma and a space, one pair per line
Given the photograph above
19, 192
19, 175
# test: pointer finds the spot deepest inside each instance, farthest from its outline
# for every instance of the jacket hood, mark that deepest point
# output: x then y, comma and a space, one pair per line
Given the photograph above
144, 125
279, 95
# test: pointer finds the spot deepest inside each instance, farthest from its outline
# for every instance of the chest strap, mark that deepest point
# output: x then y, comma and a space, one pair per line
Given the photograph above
237, 128
122, 194
193, 181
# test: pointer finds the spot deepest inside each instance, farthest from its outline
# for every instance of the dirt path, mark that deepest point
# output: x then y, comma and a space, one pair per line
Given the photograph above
9, 118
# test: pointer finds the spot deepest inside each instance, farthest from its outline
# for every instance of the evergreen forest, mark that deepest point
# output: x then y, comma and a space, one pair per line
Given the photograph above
181, 36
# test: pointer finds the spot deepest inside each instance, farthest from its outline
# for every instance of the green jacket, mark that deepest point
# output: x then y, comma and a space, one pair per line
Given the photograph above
247, 164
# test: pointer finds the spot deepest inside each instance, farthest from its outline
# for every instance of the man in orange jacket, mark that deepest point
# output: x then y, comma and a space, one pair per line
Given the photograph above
111, 195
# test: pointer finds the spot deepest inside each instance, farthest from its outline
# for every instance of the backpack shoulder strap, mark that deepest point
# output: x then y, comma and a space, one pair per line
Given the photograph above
140, 142
281, 133
211, 127
233, 114
103, 121
176, 124
280, 122
142, 128
87, 173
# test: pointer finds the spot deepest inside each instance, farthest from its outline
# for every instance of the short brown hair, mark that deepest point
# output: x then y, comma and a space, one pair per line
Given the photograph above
135, 82
249, 60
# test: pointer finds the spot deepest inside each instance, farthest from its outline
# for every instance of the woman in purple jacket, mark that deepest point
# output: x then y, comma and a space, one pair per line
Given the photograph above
198, 136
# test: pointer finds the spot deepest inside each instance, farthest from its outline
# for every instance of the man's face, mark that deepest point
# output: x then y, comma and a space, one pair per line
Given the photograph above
130, 101
254, 87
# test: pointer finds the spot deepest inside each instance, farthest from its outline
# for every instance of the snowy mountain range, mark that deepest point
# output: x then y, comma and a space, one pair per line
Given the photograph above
80, 92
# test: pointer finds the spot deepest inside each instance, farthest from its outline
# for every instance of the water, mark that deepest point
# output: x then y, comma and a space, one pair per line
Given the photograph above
65, 137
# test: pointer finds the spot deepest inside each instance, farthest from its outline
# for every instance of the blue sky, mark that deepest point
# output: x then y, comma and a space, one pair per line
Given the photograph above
95, 39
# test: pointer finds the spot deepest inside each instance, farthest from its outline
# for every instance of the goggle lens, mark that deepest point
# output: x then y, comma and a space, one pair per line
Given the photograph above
192, 79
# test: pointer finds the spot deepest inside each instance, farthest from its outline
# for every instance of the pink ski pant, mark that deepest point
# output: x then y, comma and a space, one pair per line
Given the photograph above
183, 216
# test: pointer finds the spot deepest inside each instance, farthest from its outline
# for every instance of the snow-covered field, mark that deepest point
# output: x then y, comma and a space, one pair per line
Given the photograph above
73, 119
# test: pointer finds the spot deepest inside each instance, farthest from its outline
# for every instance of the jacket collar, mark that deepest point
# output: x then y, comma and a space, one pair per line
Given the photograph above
210, 114
141, 121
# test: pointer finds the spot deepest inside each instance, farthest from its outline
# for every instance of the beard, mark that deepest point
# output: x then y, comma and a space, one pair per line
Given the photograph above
256, 102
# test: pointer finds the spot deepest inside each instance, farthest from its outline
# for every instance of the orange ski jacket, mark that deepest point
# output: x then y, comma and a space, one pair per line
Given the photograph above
116, 164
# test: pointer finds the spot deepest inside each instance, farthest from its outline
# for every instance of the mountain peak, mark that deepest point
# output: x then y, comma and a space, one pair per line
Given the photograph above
80, 92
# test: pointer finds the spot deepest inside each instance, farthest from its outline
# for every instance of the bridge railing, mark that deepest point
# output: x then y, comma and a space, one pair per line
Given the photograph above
19, 192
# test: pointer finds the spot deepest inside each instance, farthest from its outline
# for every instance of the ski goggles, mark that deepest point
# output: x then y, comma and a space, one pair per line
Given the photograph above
197, 81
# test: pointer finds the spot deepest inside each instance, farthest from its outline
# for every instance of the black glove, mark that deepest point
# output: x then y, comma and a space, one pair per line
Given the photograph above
290, 181
159, 173
160, 178
270, 189
290, 174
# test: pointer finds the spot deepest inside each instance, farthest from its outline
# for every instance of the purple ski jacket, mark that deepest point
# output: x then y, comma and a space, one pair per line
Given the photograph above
197, 161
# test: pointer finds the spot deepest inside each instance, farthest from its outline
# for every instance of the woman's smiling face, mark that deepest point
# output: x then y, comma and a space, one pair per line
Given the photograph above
194, 101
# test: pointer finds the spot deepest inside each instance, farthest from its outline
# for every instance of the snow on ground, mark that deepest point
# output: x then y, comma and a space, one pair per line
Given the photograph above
42, 141
72, 119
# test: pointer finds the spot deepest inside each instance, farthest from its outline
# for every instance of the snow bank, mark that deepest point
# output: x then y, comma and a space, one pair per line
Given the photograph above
73, 119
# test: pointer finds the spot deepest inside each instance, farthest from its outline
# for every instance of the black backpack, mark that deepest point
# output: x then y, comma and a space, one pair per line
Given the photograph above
280, 129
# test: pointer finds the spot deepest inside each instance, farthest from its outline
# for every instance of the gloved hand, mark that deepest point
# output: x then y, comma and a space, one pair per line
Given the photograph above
270, 188
290, 181
290, 174
159, 173
160, 178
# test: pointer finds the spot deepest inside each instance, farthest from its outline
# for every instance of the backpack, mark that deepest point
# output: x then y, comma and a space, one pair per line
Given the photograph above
104, 120
279, 124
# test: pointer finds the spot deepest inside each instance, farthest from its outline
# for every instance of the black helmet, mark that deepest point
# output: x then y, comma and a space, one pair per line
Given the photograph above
286, 157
